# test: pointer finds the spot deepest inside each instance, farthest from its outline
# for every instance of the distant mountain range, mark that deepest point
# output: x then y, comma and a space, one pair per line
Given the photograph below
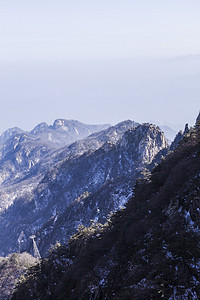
61, 133
49, 187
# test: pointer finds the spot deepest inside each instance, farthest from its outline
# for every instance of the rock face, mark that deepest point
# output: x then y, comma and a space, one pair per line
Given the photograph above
70, 186
148, 250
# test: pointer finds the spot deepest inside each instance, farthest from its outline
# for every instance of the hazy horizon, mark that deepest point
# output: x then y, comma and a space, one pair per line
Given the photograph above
99, 62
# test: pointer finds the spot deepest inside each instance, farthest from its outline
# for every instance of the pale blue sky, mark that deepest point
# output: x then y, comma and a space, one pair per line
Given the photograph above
99, 61
62, 30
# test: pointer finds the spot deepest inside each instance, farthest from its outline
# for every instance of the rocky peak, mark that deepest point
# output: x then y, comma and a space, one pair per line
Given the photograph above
60, 123
40, 128
145, 132
177, 140
62, 132
148, 139
9, 134
179, 137
74, 125
186, 130
124, 124
114, 133
197, 119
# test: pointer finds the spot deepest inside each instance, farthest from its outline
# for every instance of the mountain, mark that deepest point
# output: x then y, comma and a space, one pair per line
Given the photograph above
65, 132
148, 250
62, 132
26, 158
67, 187
27, 155
95, 184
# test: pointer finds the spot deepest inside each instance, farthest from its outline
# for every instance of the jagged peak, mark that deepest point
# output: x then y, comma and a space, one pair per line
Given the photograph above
178, 138
150, 127
77, 127
10, 133
198, 118
12, 129
186, 130
40, 127
63, 122
142, 131
125, 124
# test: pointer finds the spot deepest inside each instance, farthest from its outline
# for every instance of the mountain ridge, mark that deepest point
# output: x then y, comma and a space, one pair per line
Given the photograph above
149, 250
94, 166
67, 131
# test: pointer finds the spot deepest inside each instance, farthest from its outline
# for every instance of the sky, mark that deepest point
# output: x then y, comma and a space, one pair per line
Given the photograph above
99, 61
